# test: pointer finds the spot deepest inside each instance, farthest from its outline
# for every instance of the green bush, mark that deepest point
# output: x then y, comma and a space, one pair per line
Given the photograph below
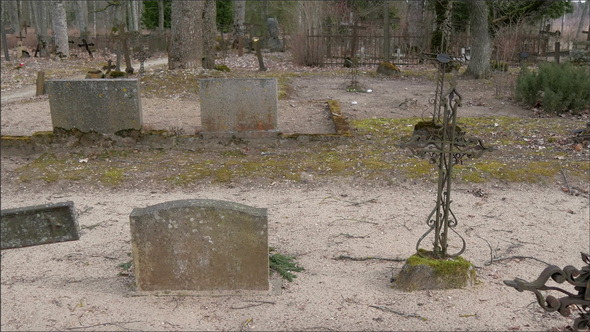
556, 87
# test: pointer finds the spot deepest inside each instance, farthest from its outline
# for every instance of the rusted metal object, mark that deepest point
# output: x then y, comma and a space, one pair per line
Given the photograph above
579, 299
444, 144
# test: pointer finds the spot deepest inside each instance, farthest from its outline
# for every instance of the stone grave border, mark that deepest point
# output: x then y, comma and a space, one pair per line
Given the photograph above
43, 140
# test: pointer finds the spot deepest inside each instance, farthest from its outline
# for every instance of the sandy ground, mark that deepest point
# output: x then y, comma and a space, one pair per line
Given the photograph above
304, 111
77, 285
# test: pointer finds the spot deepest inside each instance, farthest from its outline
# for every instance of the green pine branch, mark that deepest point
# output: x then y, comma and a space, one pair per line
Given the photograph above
284, 265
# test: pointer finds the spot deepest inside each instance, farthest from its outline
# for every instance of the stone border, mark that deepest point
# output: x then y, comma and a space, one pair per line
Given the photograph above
161, 139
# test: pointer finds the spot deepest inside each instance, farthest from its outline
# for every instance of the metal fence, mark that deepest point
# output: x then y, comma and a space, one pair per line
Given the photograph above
106, 44
370, 49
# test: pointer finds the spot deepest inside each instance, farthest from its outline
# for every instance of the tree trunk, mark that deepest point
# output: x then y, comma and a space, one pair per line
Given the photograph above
415, 26
582, 19
39, 9
132, 10
161, 15
60, 27
186, 35
10, 8
82, 18
442, 33
209, 34
481, 45
239, 20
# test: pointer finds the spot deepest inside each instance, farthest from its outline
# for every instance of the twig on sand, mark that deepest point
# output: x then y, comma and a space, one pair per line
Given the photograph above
372, 200
569, 189
102, 324
490, 246
515, 257
355, 220
387, 309
350, 258
253, 304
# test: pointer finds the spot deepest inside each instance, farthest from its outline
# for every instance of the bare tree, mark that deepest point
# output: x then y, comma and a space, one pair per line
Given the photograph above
582, 19
10, 9
186, 44
132, 10
209, 34
60, 27
239, 21
481, 45
161, 15
39, 9
82, 18
416, 26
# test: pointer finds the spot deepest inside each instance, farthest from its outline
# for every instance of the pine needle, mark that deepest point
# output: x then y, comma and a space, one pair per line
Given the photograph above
284, 265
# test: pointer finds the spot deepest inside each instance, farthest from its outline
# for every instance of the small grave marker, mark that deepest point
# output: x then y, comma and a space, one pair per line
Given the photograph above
36, 225
86, 46
20, 44
200, 245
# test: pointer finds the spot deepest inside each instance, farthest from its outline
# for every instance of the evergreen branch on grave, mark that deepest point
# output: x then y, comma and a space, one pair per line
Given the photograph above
284, 265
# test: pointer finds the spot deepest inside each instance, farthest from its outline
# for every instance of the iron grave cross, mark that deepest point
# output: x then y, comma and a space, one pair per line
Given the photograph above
445, 144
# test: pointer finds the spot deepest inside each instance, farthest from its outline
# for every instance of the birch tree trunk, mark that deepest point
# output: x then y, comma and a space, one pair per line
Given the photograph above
209, 34
82, 18
186, 33
239, 20
60, 27
481, 44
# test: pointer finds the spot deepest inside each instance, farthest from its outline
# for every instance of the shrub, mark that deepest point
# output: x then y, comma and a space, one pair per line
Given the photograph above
556, 87
499, 65
308, 51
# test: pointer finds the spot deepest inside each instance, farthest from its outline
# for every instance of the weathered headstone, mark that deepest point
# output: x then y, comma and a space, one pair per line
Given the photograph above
99, 105
274, 42
35, 225
200, 245
242, 105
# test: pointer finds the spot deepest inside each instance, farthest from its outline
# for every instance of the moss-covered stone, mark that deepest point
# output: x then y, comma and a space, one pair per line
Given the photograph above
422, 272
388, 68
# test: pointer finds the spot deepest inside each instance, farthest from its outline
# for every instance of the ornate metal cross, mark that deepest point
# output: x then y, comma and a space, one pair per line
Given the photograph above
142, 53
444, 144
579, 299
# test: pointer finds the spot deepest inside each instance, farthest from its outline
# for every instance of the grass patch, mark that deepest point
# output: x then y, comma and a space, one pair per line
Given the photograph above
372, 152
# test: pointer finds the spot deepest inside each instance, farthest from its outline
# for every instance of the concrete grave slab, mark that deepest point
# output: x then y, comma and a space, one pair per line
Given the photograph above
41, 224
200, 245
242, 106
105, 106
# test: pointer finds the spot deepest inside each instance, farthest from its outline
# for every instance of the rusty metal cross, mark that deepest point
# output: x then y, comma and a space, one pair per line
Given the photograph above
445, 144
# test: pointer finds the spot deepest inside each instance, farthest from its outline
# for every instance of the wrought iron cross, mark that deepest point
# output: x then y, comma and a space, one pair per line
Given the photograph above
445, 144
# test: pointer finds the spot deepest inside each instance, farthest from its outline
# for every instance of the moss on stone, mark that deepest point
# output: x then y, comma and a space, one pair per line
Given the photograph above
423, 271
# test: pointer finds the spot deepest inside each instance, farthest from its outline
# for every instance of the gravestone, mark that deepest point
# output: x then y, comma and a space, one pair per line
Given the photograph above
99, 105
35, 225
274, 42
200, 245
246, 106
